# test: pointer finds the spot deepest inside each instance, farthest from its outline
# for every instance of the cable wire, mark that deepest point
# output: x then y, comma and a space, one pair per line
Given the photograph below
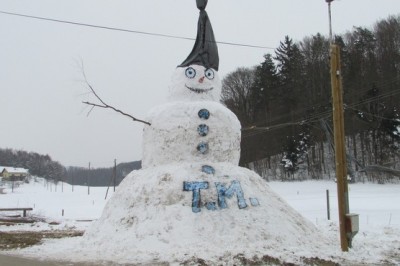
127, 30
371, 114
254, 130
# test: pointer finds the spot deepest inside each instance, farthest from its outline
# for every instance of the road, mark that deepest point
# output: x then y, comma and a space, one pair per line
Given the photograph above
6, 260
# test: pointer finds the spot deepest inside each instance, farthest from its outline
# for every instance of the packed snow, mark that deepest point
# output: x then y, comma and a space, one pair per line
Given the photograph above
378, 241
173, 135
161, 224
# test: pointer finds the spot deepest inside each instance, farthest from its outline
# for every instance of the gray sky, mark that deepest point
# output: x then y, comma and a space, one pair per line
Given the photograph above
41, 84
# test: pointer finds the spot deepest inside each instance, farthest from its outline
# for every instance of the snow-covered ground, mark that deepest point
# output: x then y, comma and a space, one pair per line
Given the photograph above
70, 206
377, 243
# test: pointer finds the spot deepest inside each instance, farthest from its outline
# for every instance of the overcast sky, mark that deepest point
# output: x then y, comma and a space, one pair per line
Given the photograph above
41, 84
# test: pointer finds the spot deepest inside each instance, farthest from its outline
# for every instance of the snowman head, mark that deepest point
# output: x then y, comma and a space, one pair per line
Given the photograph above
197, 77
195, 82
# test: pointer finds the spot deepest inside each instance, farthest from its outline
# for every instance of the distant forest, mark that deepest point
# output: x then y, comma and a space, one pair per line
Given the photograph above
44, 166
100, 176
284, 106
38, 165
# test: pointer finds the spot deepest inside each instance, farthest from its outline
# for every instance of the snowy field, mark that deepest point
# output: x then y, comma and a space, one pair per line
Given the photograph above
377, 243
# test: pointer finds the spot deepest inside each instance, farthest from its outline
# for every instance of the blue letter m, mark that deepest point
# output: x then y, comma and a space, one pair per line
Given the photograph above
234, 188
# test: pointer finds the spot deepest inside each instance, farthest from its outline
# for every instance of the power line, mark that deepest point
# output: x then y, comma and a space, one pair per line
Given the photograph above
378, 84
371, 114
255, 130
327, 113
127, 30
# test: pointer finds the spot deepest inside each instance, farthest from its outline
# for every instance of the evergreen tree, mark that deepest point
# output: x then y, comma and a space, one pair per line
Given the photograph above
315, 50
290, 64
265, 92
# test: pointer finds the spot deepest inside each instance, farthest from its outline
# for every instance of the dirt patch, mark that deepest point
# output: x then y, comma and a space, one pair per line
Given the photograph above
320, 262
23, 239
265, 260
241, 259
17, 220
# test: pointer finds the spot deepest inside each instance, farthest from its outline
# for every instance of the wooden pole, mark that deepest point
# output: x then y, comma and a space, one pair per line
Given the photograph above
328, 206
87, 181
339, 137
115, 173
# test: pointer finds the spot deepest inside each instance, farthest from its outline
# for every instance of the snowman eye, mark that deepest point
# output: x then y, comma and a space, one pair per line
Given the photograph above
190, 72
209, 73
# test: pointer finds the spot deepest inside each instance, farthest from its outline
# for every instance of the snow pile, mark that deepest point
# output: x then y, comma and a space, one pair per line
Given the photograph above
151, 216
150, 219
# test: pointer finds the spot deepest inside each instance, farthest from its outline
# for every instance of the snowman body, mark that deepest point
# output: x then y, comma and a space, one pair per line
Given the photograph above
193, 126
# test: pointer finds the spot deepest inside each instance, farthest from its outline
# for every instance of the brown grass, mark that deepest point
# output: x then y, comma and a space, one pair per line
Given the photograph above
23, 239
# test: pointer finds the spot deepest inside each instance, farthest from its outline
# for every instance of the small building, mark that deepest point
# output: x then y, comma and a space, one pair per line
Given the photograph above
13, 174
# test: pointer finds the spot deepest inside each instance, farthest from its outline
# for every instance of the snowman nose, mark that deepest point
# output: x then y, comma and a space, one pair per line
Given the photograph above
201, 79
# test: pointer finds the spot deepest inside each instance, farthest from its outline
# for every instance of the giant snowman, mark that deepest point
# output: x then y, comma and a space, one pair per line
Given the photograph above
191, 199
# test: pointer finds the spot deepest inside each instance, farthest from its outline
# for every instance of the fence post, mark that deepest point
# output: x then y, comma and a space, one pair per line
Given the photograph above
328, 208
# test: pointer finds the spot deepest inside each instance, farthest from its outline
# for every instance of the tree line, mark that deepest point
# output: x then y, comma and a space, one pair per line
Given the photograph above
43, 166
100, 176
284, 105
37, 164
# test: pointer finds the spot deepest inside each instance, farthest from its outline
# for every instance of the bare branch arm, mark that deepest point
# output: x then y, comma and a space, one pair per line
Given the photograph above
105, 105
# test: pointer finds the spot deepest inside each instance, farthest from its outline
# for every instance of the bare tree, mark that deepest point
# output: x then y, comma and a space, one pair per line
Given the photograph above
236, 93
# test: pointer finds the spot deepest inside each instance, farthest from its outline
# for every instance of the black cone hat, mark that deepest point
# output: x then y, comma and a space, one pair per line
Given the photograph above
205, 50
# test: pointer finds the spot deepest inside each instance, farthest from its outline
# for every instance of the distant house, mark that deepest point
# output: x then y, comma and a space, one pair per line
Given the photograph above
13, 174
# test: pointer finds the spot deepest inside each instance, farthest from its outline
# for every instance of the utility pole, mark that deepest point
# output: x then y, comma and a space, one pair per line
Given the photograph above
330, 19
339, 140
348, 226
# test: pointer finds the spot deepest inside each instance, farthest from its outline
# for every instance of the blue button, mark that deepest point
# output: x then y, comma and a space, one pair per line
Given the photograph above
208, 169
204, 114
202, 147
203, 130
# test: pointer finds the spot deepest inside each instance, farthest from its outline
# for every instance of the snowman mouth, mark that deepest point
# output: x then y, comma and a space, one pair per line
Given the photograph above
196, 90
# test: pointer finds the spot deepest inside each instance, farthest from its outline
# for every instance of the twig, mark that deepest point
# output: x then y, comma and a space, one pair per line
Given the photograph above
116, 110
105, 105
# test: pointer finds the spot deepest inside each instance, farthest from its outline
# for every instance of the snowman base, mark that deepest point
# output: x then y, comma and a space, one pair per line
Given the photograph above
176, 212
